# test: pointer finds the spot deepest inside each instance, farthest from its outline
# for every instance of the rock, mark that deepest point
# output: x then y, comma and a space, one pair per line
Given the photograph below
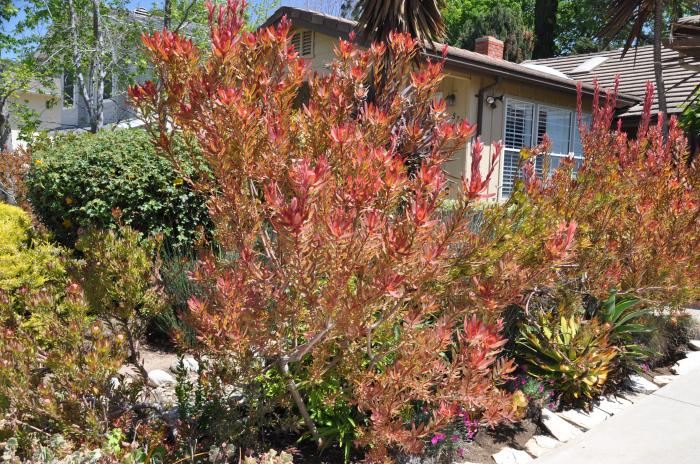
612, 404
158, 377
511, 456
558, 427
694, 345
584, 419
664, 379
188, 363
690, 363
129, 371
540, 444
640, 384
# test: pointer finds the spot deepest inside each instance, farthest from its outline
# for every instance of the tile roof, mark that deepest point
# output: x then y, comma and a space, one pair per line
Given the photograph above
636, 68
457, 57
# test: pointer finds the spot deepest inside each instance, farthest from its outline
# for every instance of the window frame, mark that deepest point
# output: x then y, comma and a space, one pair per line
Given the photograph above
534, 136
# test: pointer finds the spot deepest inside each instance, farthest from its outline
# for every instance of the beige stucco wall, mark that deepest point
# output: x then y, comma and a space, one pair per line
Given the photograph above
323, 52
45, 100
465, 87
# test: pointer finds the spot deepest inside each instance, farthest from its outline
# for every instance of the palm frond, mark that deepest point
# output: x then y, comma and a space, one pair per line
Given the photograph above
419, 18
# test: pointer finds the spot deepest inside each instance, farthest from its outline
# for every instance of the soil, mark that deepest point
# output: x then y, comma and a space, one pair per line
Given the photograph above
491, 441
479, 451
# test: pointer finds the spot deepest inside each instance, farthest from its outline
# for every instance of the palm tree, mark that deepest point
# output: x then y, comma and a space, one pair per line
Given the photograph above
638, 12
420, 18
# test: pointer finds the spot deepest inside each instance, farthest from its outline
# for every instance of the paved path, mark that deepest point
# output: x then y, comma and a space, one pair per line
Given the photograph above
662, 428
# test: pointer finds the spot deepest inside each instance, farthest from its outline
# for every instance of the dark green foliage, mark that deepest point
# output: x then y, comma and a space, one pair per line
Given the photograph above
668, 336
80, 181
503, 22
622, 318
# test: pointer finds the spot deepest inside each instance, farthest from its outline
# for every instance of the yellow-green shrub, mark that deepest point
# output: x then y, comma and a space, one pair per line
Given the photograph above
28, 264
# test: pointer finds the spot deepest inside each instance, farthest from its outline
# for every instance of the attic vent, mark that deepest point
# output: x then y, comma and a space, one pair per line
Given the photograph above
589, 65
142, 12
303, 43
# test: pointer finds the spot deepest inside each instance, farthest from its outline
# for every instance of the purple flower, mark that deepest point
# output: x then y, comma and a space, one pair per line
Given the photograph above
455, 437
438, 437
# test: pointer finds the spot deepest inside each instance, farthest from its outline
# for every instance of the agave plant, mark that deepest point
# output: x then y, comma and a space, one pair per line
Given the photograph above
571, 354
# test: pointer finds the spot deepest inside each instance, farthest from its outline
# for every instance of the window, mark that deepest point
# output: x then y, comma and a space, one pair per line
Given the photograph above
303, 43
526, 123
68, 90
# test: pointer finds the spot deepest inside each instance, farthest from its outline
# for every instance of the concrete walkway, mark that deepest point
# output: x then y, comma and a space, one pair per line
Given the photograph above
661, 428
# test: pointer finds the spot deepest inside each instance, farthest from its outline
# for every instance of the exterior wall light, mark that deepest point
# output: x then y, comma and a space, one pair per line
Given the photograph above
491, 100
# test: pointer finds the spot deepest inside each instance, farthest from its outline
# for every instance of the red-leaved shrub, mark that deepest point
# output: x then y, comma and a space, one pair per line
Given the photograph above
335, 259
636, 202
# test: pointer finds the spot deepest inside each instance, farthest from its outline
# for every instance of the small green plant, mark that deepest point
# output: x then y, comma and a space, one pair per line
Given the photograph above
573, 354
119, 278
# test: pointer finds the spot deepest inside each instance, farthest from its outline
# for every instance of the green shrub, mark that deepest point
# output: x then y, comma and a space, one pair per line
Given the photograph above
28, 264
78, 181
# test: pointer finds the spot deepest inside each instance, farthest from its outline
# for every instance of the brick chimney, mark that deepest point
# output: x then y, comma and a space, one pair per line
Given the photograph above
489, 46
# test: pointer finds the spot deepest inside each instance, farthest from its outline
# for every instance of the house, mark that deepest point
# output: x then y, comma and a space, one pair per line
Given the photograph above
515, 103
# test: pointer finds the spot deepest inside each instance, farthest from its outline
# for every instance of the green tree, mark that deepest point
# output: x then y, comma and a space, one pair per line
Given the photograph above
503, 22
17, 76
92, 41
578, 23
457, 12
7, 12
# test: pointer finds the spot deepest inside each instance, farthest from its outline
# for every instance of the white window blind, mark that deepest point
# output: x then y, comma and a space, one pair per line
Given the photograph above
526, 123
303, 42
518, 134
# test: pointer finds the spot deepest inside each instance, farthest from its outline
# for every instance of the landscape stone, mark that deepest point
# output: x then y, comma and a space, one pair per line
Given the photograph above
694, 345
158, 377
511, 456
690, 363
664, 379
641, 385
540, 444
188, 362
584, 419
558, 427
612, 404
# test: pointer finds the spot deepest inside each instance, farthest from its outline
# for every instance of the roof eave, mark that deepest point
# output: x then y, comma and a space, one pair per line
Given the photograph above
295, 15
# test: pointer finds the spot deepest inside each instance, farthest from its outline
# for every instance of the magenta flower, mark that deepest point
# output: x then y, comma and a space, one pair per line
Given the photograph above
437, 438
